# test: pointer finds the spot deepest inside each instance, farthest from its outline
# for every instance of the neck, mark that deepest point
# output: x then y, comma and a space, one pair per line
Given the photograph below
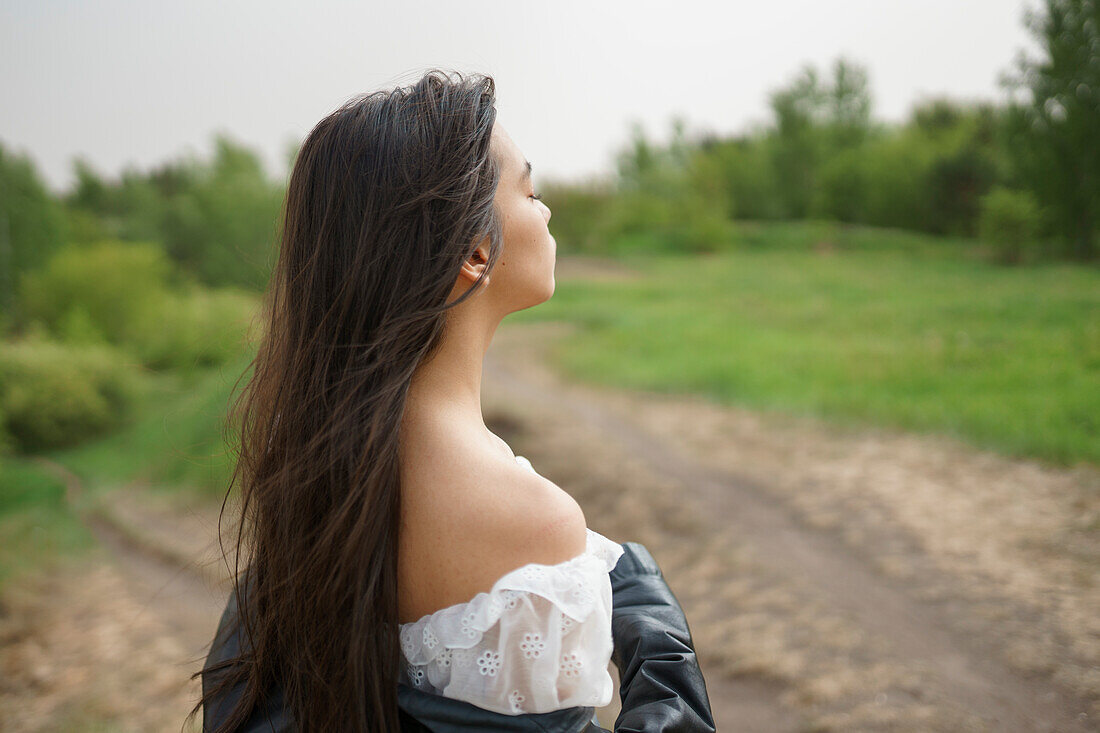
450, 382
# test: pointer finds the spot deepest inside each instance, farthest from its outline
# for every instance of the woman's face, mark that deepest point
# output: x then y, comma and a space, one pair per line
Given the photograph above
524, 274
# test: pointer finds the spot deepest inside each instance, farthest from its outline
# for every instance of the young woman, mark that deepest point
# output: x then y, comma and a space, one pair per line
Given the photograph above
396, 547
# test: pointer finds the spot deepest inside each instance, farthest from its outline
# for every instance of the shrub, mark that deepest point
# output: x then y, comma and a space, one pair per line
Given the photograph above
5, 439
54, 394
120, 293
895, 177
701, 227
578, 212
1009, 222
111, 281
841, 193
680, 221
749, 179
77, 326
194, 328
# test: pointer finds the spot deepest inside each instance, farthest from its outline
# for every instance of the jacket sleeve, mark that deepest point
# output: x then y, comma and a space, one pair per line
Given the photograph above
228, 642
661, 684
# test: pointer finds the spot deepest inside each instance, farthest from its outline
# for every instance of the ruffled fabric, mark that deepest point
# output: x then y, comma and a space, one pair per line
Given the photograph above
567, 585
539, 640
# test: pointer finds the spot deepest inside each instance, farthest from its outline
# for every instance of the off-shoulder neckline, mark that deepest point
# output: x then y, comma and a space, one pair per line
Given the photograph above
596, 546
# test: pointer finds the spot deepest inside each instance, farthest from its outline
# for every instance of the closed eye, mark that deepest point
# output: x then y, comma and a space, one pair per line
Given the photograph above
537, 196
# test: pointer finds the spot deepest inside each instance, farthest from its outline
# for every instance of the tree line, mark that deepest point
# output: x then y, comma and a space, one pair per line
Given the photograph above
1022, 174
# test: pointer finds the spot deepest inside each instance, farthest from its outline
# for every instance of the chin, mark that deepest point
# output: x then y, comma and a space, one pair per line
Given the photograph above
543, 295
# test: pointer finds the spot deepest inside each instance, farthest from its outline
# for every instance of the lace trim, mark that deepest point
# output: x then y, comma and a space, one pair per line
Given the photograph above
567, 585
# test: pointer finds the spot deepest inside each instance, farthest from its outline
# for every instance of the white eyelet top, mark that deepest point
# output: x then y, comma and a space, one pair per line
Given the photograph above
540, 640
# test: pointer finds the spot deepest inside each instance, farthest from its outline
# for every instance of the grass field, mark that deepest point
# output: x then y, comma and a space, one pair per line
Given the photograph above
36, 524
858, 326
174, 443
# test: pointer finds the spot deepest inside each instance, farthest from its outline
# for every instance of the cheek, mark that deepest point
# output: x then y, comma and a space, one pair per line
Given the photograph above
526, 237
534, 225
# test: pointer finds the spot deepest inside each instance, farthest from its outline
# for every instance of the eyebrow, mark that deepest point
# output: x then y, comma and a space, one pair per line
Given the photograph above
527, 171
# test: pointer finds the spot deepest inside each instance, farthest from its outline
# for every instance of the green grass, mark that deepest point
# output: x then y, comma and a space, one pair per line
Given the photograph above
36, 525
891, 328
175, 443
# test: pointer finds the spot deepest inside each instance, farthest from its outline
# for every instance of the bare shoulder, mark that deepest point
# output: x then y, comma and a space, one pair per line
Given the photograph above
471, 516
523, 513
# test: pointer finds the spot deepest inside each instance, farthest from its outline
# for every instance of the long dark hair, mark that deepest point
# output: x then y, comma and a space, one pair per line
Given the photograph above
387, 198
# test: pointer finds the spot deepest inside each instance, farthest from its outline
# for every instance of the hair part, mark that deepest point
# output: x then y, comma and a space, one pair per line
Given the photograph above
388, 196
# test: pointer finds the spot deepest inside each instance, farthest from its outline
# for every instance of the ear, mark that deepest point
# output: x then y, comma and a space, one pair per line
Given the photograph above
476, 263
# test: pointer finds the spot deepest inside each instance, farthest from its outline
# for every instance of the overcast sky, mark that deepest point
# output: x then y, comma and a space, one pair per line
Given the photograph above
138, 82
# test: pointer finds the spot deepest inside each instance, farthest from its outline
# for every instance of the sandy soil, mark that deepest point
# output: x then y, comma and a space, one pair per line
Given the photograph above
834, 580
109, 642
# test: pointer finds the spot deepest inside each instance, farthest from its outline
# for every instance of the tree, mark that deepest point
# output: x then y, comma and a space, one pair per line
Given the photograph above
1009, 223
1053, 131
797, 140
849, 104
962, 136
32, 223
815, 119
222, 225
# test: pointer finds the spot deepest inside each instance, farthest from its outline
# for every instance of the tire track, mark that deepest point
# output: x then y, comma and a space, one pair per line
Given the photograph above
166, 585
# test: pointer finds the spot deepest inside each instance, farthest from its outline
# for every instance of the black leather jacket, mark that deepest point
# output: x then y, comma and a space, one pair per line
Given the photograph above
662, 687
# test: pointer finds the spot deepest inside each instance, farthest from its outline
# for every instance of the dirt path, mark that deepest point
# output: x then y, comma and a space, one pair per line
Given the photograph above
111, 643
165, 553
834, 580
911, 628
